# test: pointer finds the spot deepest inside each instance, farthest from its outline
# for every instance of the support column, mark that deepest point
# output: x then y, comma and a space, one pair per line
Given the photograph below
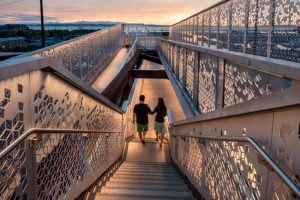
220, 84
184, 67
270, 28
196, 79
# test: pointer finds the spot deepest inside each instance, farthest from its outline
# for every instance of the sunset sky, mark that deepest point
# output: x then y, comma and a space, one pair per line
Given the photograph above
139, 11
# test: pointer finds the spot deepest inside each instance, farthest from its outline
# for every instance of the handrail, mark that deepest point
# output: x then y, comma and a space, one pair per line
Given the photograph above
25, 135
292, 185
282, 68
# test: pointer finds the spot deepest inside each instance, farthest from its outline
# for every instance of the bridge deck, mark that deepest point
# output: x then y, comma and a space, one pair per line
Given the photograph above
152, 89
109, 73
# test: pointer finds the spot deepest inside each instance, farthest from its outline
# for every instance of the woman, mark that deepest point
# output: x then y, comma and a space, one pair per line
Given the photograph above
161, 113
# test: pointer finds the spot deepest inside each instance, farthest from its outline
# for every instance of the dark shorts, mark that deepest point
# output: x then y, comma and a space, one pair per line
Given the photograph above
142, 127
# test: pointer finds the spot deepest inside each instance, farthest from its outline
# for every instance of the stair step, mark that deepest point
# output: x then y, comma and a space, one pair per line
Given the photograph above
146, 167
152, 173
139, 181
156, 178
147, 193
147, 164
146, 186
144, 171
100, 196
142, 175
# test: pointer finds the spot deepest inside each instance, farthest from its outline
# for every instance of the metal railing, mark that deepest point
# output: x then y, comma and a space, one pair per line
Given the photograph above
86, 56
38, 94
216, 152
56, 163
214, 79
222, 167
268, 28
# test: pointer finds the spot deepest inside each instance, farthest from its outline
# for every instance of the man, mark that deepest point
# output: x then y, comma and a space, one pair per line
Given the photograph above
140, 113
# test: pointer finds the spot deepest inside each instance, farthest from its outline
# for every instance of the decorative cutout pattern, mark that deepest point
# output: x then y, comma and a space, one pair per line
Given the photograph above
190, 72
89, 54
222, 170
208, 67
62, 161
268, 28
244, 84
181, 64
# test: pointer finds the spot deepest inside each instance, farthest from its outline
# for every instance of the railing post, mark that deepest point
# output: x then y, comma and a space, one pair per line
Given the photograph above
270, 27
196, 79
184, 68
31, 167
218, 31
229, 25
209, 28
247, 10
177, 61
220, 84
197, 33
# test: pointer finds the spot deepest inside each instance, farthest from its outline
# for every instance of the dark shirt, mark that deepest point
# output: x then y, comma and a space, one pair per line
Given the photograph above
142, 110
161, 113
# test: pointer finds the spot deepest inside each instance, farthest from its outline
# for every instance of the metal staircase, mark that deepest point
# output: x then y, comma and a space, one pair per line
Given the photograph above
142, 180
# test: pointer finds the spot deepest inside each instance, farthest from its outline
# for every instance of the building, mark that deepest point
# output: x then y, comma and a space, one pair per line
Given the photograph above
13, 27
12, 43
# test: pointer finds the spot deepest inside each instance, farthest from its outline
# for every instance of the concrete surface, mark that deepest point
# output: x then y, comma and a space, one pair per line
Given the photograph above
110, 72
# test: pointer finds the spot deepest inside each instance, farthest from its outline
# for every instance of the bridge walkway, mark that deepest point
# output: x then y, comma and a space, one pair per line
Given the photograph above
147, 172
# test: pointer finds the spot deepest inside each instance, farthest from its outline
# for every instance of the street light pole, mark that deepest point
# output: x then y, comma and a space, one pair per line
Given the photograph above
42, 24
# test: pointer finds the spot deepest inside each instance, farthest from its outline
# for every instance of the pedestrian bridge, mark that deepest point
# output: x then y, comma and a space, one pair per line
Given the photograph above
230, 76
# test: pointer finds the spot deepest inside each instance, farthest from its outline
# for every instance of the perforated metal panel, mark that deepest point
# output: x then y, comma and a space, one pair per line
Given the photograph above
89, 54
244, 84
200, 29
206, 29
208, 68
190, 65
60, 162
268, 28
286, 32
221, 170
238, 25
214, 28
224, 28
181, 64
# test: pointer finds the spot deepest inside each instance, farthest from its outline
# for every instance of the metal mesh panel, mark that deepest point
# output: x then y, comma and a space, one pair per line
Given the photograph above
60, 159
268, 28
238, 25
221, 170
200, 29
181, 64
65, 159
258, 27
214, 28
224, 26
190, 65
206, 29
87, 55
244, 84
208, 67
286, 31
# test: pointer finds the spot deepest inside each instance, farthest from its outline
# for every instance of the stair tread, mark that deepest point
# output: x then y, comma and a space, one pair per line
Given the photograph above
146, 174
147, 192
118, 177
147, 187
136, 171
162, 182
100, 196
